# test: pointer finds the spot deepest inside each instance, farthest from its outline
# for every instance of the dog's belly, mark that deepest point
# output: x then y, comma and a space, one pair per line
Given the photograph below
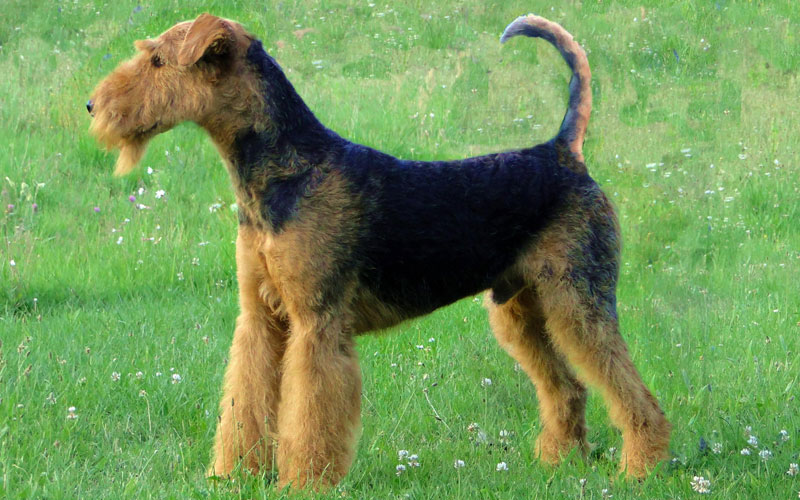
423, 272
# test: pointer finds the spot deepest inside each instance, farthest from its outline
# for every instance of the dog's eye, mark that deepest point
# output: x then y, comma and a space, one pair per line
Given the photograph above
157, 61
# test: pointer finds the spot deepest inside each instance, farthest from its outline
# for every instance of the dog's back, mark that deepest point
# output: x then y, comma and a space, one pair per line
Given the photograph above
435, 232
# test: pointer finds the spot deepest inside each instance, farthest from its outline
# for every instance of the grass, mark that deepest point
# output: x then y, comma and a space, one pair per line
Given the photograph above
693, 135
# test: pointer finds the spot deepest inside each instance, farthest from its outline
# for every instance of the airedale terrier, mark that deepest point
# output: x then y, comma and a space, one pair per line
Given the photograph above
338, 239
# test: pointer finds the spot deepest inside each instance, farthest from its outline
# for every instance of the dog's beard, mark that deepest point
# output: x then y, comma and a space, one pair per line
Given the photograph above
131, 148
130, 152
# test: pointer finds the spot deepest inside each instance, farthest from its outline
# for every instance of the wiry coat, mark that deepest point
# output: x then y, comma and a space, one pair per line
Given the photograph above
336, 239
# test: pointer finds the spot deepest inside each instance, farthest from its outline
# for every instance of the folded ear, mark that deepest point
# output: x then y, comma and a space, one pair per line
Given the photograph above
207, 35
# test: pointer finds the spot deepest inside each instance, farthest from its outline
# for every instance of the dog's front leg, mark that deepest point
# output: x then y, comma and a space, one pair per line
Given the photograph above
247, 428
319, 414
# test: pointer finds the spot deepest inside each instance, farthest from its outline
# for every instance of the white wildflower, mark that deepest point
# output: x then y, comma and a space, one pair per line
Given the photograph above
701, 484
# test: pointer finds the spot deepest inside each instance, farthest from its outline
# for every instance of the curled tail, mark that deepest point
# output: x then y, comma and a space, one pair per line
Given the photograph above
573, 127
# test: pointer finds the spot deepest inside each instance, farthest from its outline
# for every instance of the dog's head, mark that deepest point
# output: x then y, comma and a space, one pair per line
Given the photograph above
178, 76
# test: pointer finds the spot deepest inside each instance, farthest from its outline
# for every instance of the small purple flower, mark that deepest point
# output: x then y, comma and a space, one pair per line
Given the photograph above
35, 207
10, 208
132, 198
97, 210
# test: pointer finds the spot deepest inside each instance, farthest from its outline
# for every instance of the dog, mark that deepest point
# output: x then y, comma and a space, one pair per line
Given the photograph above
337, 239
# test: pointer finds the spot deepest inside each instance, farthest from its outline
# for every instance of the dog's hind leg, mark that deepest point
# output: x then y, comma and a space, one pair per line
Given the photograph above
591, 340
519, 327
576, 284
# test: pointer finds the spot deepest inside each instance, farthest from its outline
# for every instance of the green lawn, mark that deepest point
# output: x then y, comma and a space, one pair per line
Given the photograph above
694, 136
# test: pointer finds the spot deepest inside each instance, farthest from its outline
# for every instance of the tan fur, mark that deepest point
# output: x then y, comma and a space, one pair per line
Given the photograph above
519, 326
292, 390
248, 426
589, 337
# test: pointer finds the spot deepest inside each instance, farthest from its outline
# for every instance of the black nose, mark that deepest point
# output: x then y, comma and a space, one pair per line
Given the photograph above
89, 106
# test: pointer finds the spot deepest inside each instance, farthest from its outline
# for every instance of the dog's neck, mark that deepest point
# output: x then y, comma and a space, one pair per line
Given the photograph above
276, 138
286, 136
287, 114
